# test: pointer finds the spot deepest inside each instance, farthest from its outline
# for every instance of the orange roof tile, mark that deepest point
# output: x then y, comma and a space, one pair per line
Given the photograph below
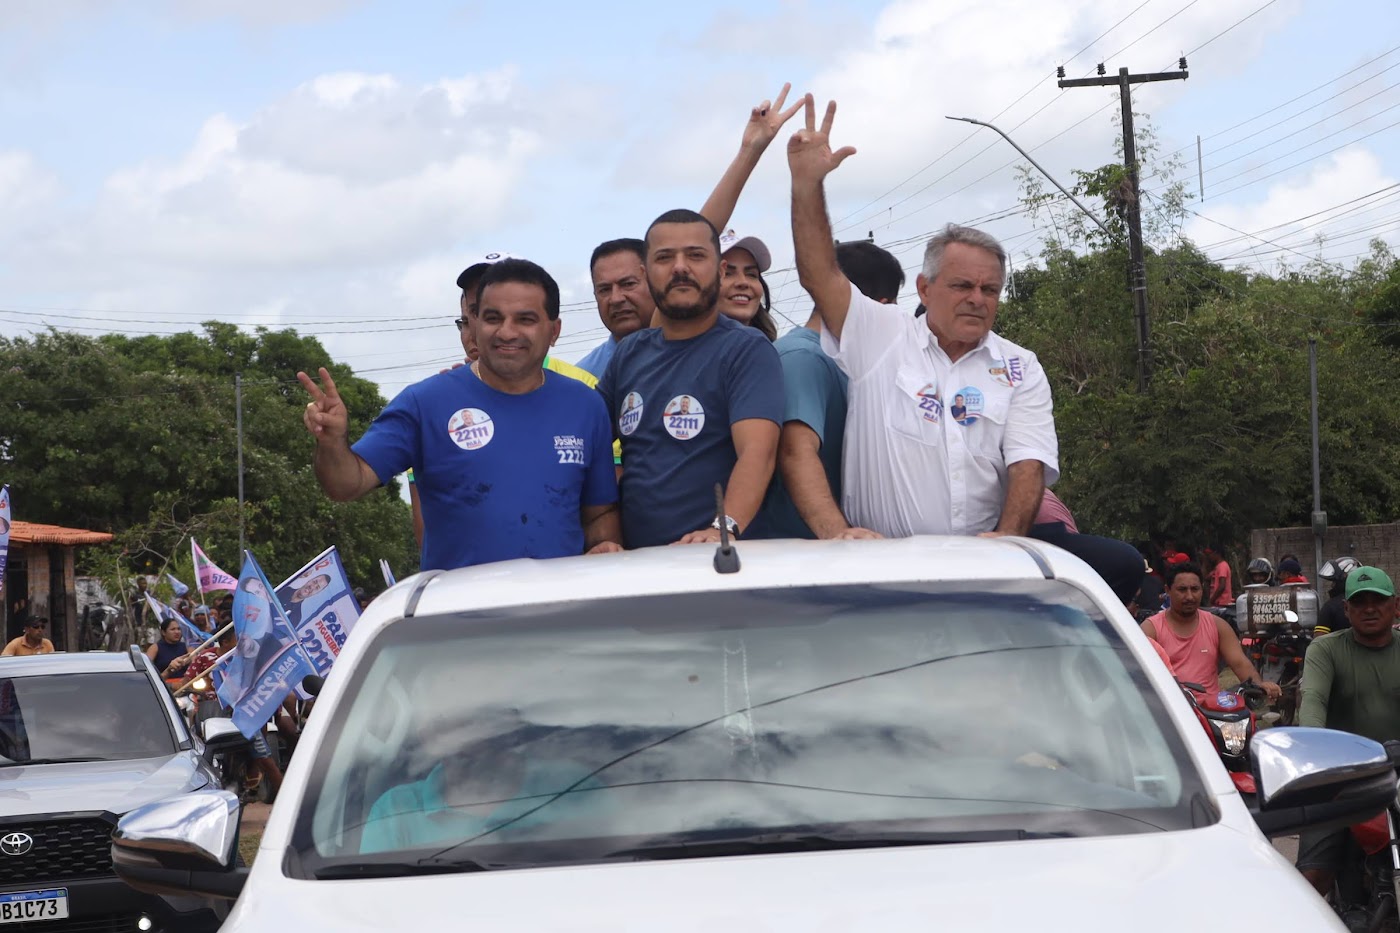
31, 533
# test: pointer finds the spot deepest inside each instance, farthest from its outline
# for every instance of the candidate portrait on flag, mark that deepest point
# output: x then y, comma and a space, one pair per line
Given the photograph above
267, 661
321, 607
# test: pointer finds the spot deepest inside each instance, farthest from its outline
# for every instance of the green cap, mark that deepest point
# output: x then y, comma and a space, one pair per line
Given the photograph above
1369, 580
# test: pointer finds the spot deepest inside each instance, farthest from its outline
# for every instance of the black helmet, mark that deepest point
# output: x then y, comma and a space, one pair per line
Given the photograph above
1335, 570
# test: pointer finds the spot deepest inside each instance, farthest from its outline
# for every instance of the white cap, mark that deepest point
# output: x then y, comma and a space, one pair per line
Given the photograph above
730, 240
490, 259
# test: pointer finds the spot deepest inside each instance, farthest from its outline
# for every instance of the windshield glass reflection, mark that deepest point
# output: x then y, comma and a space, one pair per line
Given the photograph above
571, 732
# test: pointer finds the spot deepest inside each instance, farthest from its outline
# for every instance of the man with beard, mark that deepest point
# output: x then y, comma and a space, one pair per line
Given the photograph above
696, 401
1348, 684
502, 445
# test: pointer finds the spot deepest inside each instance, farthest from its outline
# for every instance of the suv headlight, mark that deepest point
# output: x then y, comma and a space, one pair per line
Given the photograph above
1234, 733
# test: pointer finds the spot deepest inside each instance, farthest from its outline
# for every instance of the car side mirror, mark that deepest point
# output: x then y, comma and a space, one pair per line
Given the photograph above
221, 735
185, 845
1318, 779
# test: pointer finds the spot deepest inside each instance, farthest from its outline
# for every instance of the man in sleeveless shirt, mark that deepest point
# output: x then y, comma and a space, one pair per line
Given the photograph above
1197, 641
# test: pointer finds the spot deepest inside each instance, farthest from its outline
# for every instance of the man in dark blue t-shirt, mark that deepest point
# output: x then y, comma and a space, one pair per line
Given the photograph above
696, 401
510, 460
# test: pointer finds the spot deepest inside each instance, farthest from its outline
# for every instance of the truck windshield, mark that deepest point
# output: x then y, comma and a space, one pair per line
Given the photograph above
81, 717
670, 726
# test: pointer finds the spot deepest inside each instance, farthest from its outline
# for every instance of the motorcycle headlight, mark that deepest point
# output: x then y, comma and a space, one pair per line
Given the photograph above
1234, 733
200, 684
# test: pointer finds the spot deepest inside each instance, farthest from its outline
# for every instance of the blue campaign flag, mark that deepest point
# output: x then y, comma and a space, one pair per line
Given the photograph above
321, 607
179, 588
268, 661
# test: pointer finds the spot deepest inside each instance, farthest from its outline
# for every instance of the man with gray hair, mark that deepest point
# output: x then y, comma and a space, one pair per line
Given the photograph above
911, 467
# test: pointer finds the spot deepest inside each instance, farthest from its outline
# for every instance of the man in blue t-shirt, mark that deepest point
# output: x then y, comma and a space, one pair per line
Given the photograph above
510, 460
802, 501
625, 304
696, 401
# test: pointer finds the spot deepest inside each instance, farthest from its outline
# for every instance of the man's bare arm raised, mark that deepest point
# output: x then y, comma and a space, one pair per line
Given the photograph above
339, 470
810, 160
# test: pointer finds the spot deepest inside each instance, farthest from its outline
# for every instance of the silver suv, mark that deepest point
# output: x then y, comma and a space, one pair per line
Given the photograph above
84, 738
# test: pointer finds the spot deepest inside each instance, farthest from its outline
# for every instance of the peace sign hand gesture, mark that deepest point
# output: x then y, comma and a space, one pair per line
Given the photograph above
809, 151
326, 416
766, 119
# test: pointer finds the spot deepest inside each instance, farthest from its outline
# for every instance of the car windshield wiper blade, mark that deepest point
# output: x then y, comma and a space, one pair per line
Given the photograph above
816, 842
395, 869
51, 761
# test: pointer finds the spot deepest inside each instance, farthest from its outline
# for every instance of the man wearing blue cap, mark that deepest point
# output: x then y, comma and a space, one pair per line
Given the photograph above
1349, 682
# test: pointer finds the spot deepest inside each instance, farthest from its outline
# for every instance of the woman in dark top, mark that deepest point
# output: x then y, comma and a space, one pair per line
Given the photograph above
168, 654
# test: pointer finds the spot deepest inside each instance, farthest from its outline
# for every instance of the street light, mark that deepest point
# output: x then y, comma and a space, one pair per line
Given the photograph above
1077, 203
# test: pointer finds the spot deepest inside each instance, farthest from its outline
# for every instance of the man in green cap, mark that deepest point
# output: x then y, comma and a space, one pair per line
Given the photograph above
1350, 682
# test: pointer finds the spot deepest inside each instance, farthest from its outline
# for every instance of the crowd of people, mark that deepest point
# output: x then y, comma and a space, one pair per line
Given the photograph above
835, 430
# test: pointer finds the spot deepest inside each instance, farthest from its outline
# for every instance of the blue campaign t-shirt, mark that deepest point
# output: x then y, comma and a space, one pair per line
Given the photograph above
672, 403
499, 476
815, 389
596, 362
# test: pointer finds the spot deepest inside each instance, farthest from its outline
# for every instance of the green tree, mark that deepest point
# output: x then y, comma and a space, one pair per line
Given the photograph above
137, 434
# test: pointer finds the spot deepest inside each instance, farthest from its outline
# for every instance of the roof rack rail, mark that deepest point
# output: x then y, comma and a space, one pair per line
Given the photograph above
138, 658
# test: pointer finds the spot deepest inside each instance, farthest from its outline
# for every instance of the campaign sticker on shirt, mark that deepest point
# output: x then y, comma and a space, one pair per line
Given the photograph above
684, 417
471, 428
1010, 372
631, 415
930, 405
967, 405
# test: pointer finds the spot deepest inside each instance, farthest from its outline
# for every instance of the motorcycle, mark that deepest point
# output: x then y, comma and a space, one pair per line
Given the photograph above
1380, 865
1228, 718
1276, 649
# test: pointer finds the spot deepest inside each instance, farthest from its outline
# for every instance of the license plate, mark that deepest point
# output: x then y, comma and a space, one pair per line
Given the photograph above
21, 906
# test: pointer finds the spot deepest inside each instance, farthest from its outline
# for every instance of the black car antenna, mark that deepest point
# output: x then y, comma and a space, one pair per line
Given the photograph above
726, 556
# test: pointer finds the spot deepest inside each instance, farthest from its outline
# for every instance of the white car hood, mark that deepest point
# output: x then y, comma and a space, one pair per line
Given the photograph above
1167, 882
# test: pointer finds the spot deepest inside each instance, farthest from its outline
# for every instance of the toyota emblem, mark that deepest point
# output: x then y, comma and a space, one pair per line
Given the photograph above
16, 843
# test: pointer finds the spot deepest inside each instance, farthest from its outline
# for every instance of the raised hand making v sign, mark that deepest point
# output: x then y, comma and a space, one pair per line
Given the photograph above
510, 460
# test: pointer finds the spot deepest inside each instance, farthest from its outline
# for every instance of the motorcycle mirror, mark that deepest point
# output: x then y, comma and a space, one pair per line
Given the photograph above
1290, 616
312, 684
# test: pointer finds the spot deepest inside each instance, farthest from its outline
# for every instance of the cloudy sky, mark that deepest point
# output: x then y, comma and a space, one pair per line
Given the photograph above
331, 165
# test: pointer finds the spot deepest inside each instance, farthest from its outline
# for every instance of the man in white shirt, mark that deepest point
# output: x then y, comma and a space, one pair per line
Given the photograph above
911, 467
950, 428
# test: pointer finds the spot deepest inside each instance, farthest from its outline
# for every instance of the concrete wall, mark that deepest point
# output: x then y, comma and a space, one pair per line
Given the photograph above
1377, 545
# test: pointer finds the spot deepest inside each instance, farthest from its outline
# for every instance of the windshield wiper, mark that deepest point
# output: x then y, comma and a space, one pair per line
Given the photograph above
817, 842
51, 761
395, 869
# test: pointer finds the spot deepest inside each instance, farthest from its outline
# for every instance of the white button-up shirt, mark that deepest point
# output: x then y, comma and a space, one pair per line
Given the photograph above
917, 461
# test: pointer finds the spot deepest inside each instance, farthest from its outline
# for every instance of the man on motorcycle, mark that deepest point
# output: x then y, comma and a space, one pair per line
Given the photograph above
1332, 617
1197, 641
1259, 572
1348, 679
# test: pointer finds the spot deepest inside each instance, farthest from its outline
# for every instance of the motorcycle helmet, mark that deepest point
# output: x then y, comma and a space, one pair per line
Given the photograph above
1260, 566
1335, 570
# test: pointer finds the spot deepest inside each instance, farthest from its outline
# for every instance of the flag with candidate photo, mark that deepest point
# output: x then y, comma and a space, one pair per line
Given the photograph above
267, 661
207, 573
321, 606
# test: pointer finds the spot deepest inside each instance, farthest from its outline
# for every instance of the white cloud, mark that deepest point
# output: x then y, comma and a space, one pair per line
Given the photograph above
1334, 234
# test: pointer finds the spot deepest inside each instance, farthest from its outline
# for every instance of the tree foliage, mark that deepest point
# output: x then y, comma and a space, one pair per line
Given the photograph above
1221, 442
137, 435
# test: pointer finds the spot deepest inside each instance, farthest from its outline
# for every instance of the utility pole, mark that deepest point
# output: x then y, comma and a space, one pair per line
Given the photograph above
238, 419
1137, 268
1319, 517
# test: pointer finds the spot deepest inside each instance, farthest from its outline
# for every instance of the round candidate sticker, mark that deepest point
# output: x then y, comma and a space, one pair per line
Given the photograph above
684, 417
631, 413
930, 405
471, 428
967, 405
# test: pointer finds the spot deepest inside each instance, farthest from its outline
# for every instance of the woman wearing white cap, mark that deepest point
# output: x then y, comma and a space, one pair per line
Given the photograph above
743, 294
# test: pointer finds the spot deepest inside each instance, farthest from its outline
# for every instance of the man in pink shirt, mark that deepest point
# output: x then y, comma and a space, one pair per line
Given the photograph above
1219, 585
1197, 641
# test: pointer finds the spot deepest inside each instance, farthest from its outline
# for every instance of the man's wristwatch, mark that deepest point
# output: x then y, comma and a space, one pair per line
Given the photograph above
730, 524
